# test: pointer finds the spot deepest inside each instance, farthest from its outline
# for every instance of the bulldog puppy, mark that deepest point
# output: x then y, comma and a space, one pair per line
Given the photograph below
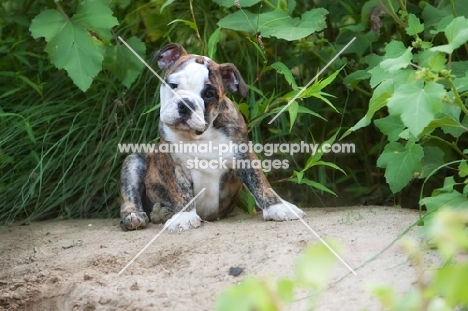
195, 110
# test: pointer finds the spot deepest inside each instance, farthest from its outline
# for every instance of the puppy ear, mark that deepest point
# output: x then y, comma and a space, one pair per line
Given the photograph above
168, 55
232, 79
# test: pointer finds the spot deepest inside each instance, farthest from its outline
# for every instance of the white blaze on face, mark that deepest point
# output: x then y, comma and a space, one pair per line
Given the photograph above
190, 80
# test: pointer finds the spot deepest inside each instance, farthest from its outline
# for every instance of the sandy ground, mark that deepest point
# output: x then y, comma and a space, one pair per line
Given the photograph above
74, 265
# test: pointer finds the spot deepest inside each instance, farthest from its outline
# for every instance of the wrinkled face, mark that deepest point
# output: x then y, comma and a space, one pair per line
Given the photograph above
189, 100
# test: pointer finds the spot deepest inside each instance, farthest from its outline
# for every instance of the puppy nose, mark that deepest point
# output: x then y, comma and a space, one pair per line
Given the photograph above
185, 107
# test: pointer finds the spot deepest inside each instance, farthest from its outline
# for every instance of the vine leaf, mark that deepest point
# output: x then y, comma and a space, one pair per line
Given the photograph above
97, 17
276, 23
456, 33
394, 64
414, 25
280, 25
400, 163
71, 45
390, 126
416, 105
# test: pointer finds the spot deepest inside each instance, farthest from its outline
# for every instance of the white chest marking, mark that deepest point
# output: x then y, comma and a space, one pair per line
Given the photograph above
202, 176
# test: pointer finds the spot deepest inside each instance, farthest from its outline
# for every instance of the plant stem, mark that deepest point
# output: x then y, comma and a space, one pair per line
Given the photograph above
453, 8
457, 96
392, 14
196, 27
402, 4
60, 9
269, 4
281, 180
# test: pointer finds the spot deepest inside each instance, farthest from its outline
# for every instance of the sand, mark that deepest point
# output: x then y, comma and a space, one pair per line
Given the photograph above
74, 264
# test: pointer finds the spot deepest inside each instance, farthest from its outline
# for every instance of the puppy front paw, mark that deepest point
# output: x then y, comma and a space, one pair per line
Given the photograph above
282, 212
182, 222
134, 220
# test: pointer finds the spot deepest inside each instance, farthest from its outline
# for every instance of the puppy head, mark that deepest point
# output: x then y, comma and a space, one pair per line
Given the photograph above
196, 86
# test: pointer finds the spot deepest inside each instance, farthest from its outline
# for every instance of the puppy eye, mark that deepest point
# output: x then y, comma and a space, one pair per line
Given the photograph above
173, 85
209, 93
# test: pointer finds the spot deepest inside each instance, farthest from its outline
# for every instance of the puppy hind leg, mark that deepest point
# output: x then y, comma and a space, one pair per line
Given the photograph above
132, 189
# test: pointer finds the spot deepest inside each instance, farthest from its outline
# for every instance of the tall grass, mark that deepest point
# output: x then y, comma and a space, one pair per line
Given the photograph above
61, 158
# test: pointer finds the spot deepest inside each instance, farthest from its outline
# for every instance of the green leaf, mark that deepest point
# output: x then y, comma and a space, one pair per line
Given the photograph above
314, 268
70, 47
394, 49
414, 25
10, 92
34, 86
400, 163
213, 42
312, 183
434, 60
417, 105
385, 293
29, 131
276, 23
432, 15
315, 156
47, 24
390, 126
315, 90
402, 61
302, 109
461, 83
244, 109
165, 4
463, 169
123, 63
451, 283
96, 17
286, 290
310, 163
248, 200
299, 175
250, 294
281, 68
154, 108
456, 33
379, 100
292, 108
185, 22
280, 25
239, 21
444, 123
70, 44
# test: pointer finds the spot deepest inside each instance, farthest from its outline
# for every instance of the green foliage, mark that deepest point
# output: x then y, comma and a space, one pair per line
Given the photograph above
427, 109
70, 44
276, 23
400, 163
442, 288
313, 271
